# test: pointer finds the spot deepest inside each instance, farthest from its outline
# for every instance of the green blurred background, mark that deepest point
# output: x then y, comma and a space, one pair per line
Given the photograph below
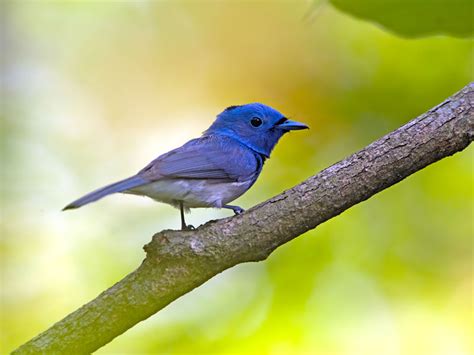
92, 91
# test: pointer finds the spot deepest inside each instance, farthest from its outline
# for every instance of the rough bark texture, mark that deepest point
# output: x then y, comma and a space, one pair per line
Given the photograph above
178, 261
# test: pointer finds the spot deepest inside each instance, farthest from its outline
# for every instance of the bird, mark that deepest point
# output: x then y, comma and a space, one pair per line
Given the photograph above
212, 170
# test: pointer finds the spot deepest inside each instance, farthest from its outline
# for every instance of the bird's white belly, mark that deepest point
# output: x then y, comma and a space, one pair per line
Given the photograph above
194, 193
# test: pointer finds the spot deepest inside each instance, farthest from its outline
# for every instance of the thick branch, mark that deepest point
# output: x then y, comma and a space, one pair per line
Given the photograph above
178, 261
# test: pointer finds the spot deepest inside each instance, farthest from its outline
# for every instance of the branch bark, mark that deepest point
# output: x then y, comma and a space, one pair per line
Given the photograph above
178, 261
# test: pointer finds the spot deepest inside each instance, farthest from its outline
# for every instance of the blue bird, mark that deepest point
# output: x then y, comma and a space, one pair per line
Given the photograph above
212, 170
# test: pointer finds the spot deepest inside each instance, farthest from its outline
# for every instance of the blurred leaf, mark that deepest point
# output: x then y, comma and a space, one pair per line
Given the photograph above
414, 18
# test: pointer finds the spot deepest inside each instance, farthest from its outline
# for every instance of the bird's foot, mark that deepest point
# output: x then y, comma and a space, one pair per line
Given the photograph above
236, 209
188, 227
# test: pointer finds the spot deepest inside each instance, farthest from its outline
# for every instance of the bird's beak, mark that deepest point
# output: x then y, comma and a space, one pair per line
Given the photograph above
290, 125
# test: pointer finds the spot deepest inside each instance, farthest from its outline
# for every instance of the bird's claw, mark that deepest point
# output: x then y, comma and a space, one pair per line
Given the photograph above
238, 210
189, 227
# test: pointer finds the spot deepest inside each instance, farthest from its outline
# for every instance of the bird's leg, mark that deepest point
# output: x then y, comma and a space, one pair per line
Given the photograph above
184, 227
236, 209
181, 209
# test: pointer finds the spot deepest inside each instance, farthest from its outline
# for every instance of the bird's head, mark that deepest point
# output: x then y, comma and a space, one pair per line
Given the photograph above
255, 125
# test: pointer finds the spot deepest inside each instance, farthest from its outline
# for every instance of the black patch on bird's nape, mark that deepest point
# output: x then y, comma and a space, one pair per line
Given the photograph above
230, 108
281, 120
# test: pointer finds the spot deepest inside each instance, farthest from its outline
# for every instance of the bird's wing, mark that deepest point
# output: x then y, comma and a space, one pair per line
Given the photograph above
205, 158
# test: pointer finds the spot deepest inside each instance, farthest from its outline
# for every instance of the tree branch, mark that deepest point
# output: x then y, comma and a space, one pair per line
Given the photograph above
178, 261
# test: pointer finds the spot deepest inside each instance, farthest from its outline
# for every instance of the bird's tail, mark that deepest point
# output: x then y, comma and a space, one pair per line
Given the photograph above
118, 186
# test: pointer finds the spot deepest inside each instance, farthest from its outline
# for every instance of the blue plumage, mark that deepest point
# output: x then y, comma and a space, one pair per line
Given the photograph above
212, 170
95, 195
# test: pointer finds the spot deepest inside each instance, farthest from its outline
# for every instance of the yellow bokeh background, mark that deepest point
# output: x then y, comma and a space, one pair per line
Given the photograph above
94, 90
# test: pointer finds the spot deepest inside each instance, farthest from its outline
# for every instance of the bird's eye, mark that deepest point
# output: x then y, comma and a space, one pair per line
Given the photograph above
255, 121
